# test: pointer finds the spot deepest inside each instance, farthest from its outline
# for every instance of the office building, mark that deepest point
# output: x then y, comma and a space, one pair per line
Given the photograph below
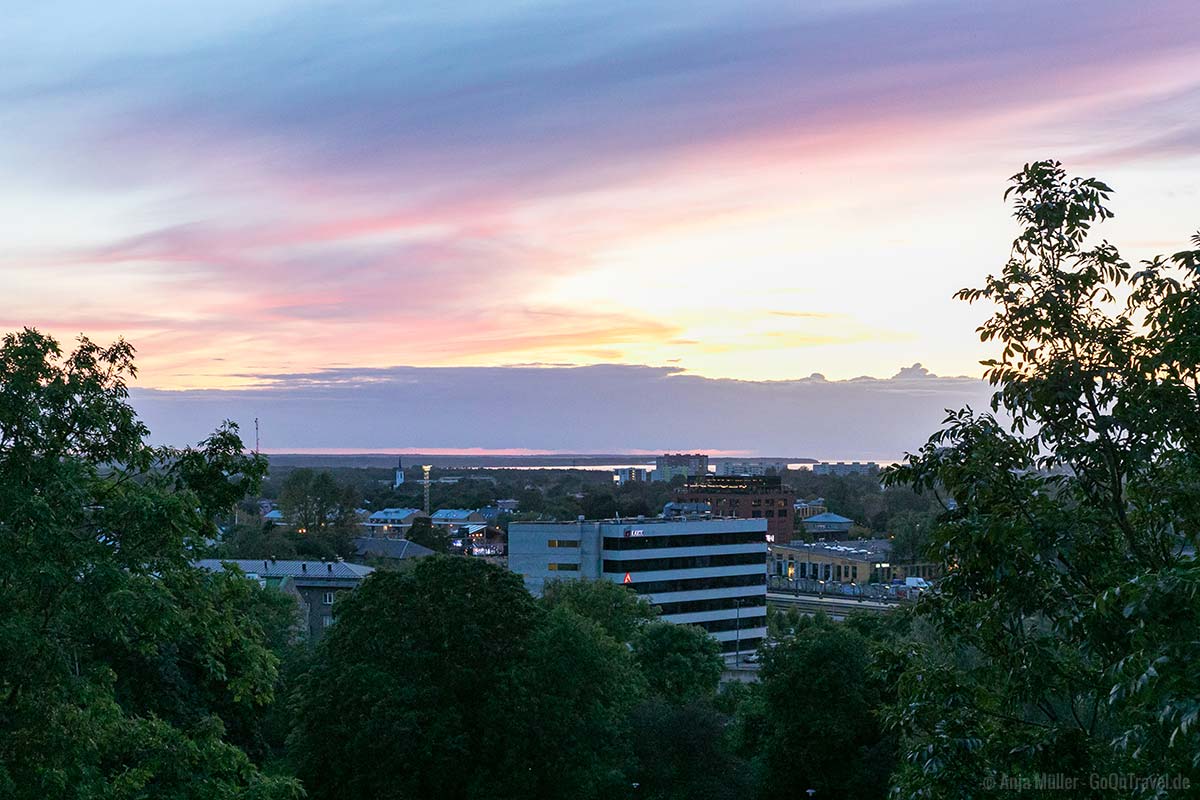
624, 475
706, 572
844, 468
679, 465
746, 498
754, 469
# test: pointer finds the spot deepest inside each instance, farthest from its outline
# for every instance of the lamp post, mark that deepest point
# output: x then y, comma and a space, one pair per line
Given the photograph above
737, 633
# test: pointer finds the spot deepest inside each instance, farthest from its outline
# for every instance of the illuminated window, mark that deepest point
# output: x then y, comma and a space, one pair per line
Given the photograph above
563, 543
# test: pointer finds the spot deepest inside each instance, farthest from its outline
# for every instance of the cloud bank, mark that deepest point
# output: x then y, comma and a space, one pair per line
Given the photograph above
602, 408
265, 185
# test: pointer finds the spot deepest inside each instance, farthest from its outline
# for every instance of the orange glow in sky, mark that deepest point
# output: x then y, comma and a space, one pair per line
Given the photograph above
753, 191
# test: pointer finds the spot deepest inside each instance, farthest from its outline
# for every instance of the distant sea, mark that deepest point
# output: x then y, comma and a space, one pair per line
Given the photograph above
589, 461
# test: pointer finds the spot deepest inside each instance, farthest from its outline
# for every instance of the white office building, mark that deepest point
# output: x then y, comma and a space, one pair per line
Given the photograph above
844, 468
706, 572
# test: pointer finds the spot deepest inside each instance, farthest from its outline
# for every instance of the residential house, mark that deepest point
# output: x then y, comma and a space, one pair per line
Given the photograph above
391, 521
314, 584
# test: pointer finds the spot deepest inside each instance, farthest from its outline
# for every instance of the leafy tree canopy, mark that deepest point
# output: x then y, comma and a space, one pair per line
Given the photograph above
398, 700
124, 671
680, 662
426, 534
618, 610
818, 726
1063, 637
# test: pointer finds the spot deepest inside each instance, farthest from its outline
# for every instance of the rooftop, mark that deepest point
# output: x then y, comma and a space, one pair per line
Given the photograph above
856, 550
389, 548
706, 520
735, 484
828, 517
270, 568
453, 513
395, 513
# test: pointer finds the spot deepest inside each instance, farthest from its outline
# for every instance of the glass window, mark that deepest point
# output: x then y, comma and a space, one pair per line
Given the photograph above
715, 604
681, 540
683, 562
328, 599
697, 584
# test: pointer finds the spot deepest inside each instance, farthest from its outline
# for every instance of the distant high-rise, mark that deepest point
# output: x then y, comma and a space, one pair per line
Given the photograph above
624, 475
843, 468
669, 466
745, 497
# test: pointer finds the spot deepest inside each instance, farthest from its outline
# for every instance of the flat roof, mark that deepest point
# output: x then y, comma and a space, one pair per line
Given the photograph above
854, 549
705, 520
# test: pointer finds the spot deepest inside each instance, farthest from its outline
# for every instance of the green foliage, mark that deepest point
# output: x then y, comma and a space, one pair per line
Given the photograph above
124, 672
311, 500
320, 514
683, 752
563, 715
264, 540
449, 680
821, 731
1062, 639
910, 532
399, 699
426, 534
680, 662
616, 609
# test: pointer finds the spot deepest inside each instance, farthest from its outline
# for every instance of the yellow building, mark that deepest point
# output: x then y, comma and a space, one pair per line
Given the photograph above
856, 561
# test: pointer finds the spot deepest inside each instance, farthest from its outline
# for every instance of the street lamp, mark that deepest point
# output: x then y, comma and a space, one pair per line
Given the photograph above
737, 632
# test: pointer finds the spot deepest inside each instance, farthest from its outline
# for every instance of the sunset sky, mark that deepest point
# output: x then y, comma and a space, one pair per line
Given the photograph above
257, 193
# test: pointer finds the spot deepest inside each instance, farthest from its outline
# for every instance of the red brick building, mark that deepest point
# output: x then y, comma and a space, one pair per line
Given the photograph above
746, 498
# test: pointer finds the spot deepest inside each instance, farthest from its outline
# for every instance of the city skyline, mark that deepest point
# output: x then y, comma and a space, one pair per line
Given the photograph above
754, 193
